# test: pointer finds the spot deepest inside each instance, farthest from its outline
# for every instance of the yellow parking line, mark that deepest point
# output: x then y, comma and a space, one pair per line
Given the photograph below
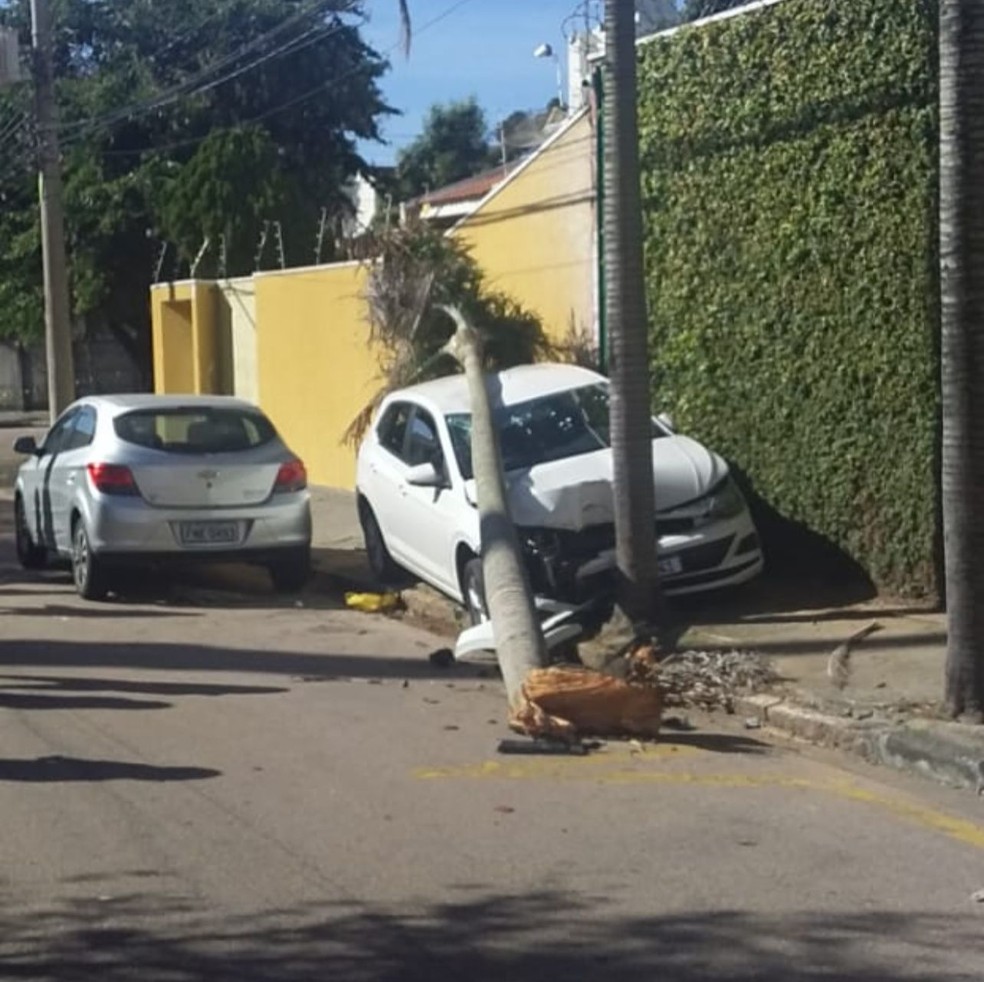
603, 769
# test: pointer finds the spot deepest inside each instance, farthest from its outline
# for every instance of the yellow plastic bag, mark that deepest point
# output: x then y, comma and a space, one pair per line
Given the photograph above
372, 603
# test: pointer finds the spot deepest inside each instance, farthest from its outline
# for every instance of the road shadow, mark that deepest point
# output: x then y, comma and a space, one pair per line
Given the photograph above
33, 702
50, 683
718, 743
300, 666
55, 770
100, 611
170, 591
485, 937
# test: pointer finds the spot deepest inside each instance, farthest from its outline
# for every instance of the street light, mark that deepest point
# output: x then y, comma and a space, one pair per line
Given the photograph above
546, 51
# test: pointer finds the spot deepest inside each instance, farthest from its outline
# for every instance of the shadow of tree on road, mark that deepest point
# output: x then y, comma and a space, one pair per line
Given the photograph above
33, 701
55, 770
302, 666
50, 683
489, 938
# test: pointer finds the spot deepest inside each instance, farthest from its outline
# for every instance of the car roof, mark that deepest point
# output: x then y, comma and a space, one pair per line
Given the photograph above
124, 402
520, 384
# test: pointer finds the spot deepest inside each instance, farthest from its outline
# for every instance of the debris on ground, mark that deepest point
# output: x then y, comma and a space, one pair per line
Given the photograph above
564, 702
372, 603
701, 679
978, 897
442, 658
547, 747
839, 662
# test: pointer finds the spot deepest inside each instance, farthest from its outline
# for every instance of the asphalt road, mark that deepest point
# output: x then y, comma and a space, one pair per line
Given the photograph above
205, 782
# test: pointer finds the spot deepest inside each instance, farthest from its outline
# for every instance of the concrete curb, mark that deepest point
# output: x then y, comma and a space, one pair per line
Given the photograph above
949, 753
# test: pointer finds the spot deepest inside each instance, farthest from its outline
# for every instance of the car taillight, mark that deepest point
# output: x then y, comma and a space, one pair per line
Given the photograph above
292, 476
112, 479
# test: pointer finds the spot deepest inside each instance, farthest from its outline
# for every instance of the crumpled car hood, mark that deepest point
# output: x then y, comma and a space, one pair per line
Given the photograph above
576, 492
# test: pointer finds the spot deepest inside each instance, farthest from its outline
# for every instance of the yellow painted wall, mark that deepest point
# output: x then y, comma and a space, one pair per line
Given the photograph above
317, 370
535, 237
189, 352
237, 311
173, 338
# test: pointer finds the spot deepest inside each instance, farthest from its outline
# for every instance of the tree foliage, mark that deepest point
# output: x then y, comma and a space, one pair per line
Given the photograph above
415, 271
181, 120
453, 145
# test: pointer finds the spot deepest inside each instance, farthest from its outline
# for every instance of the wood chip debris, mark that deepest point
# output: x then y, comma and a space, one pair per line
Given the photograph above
702, 679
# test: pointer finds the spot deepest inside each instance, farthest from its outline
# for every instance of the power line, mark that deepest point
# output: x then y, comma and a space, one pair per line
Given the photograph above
197, 82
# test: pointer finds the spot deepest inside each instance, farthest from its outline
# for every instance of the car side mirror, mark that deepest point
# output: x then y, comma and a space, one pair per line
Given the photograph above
666, 421
26, 445
426, 476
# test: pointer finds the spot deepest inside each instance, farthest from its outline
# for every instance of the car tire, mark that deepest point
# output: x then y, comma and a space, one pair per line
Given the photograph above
290, 574
381, 563
29, 555
88, 570
473, 591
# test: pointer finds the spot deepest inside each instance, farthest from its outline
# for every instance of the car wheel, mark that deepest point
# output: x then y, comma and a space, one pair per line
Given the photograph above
473, 592
291, 573
29, 555
380, 562
88, 570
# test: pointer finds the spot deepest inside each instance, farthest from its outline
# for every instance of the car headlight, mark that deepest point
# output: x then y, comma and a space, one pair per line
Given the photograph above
725, 501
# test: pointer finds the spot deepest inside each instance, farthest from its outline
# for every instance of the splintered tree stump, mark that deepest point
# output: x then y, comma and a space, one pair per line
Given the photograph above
565, 703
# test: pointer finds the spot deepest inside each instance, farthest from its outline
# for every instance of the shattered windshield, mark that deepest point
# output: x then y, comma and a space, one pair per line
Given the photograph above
565, 424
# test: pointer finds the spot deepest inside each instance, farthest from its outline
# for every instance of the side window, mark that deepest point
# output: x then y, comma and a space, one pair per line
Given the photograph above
392, 429
424, 445
84, 430
59, 435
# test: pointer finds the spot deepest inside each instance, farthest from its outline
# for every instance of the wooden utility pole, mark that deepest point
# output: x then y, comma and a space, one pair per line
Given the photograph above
57, 312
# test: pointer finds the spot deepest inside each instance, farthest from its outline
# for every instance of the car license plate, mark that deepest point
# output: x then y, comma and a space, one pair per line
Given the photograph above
208, 533
670, 566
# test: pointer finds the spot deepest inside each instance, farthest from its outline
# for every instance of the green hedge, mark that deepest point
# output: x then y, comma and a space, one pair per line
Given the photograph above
790, 182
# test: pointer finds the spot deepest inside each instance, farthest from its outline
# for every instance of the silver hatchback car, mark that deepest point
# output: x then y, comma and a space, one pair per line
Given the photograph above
135, 479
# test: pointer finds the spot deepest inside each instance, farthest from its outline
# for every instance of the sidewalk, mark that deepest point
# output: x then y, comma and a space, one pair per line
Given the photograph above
888, 712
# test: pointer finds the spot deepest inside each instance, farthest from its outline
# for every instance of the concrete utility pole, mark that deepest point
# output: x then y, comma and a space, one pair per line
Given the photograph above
57, 313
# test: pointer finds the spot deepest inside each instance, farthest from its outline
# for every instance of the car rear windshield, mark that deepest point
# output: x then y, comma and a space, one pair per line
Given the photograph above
195, 430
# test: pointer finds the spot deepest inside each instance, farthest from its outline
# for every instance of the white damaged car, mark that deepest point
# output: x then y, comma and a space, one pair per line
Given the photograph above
417, 504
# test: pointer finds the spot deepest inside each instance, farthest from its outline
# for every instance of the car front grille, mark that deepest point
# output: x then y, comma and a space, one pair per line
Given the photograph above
673, 526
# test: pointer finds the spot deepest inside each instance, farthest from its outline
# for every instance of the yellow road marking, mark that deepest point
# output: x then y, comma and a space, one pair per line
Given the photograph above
614, 769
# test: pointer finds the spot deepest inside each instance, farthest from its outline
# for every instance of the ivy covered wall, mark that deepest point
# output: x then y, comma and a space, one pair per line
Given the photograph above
790, 193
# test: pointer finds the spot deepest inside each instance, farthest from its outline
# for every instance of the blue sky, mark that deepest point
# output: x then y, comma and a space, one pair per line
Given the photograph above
483, 48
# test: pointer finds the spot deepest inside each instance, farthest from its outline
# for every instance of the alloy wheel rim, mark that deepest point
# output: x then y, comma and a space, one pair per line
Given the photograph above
80, 557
